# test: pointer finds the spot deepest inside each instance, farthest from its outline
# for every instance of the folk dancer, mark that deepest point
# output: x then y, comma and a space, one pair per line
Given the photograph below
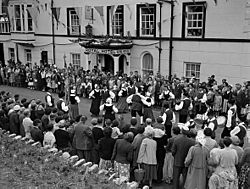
49, 100
240, 131
96, 100
74, 101
105, 93
168, 119
200, 101
61, 105
136, 104
211, 123
184, 106
148, 103
231, 119
167, 96
122, 105
109, 110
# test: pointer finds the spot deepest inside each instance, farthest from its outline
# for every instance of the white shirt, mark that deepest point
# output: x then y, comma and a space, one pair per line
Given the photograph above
114, 108
180, 106
230, 115
49, 139
164, 117
64, 107
49, 100
27, 124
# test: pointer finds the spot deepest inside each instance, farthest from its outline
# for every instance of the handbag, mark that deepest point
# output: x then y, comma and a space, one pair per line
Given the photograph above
139, 174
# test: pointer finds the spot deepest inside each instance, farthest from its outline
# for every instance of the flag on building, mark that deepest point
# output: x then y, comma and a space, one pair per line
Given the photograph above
99, 9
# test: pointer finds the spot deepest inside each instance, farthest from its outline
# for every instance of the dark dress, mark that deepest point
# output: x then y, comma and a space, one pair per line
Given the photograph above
96, 102
148, 112
109, 113
122, 104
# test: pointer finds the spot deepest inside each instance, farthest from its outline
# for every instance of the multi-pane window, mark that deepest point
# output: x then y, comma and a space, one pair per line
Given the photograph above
17, 18
147, 64
192, 69
76, 60
21, 18
147, 21
74, 23
28, 56
4, 24
117, 21
195, 17
30, 21
11, 54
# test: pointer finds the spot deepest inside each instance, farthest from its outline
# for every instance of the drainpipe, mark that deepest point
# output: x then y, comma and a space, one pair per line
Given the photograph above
53, 33
171, 39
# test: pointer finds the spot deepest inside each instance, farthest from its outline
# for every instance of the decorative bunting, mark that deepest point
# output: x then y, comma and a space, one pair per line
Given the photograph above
33, 13
130, 11
113, 10
56, 14
99, 9
78, 11
88, 13
11, 16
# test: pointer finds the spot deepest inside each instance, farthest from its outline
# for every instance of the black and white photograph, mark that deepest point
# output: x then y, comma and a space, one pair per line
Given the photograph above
125, 94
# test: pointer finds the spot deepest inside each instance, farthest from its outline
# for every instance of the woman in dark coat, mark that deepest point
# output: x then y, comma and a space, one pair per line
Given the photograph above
95, 95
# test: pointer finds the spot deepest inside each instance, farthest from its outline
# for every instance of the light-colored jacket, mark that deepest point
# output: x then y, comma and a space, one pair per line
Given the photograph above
147, 153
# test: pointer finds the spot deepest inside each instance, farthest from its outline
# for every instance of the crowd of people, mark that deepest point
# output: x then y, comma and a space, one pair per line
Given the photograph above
183, 141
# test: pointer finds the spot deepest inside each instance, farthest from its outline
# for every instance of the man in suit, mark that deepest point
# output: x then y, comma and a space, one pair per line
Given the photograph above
83, 140
180, 150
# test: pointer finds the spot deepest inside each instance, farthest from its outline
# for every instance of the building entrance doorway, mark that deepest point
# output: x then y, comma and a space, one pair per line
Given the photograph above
108, 64
122, 64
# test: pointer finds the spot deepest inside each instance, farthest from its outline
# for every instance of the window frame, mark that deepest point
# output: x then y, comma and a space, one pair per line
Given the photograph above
78, 65
11, 52
24, 18
195, 71
146, 70
110, 21
71, 12
139, 20
4, 24
29, 18
185, 18
28, 52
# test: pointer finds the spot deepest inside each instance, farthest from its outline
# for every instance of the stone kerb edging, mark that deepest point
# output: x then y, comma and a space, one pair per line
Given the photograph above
75, 162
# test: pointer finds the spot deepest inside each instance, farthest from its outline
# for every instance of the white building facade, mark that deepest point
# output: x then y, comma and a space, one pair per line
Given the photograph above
128, 35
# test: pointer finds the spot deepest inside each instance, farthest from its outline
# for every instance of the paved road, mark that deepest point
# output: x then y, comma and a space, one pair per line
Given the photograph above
84, 107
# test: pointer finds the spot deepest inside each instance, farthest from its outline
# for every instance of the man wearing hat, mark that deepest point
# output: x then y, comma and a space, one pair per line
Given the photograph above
14, 120
180, 150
